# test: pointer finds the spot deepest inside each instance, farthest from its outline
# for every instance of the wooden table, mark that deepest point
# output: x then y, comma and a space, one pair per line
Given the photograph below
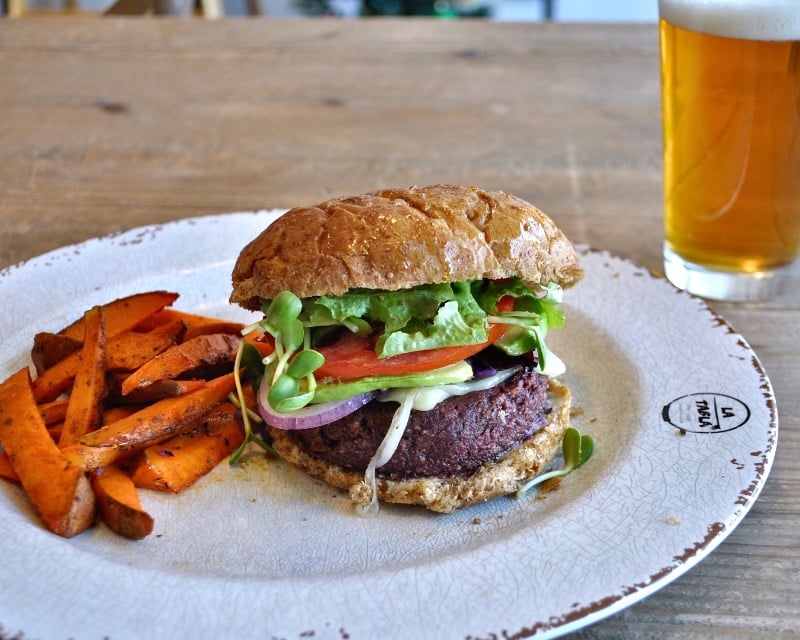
108, 124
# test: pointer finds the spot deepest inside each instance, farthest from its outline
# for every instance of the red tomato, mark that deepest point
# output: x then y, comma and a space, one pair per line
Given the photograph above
353, 356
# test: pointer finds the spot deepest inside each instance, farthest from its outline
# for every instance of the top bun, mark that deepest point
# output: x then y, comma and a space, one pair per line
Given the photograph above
399, 238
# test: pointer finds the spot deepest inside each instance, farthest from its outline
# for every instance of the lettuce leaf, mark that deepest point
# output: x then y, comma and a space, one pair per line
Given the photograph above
442, 315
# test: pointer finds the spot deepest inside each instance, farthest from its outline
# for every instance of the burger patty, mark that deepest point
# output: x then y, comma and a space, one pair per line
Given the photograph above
453, 439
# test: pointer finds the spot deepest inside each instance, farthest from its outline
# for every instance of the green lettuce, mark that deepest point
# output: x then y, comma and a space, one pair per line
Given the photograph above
441, 315
417, 319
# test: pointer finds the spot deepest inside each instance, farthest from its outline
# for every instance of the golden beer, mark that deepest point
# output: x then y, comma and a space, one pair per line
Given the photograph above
731, 127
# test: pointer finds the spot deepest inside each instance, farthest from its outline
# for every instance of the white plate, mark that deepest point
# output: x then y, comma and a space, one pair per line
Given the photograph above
681, 409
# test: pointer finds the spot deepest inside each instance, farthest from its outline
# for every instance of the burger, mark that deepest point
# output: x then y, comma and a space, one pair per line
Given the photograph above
403, 342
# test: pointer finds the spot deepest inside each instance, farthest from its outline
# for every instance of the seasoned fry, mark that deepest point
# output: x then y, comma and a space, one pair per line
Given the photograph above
85, 408
158, 390
112, 414
6, 470
55, 430
119, 503
161, 420
179, 462
196, 325
53, 412
50, 348
126, 351
130, 350
56, 380
260, 342
125, 313
59, 490
90, 458
202, 351
120, 439
75, 442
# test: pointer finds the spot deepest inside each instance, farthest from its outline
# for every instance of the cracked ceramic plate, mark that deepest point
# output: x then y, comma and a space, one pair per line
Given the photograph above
682, 412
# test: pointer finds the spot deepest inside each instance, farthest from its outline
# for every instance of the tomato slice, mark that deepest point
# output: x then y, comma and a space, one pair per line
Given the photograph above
353, 356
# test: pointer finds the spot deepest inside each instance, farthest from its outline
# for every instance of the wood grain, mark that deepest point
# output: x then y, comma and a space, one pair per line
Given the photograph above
116, 123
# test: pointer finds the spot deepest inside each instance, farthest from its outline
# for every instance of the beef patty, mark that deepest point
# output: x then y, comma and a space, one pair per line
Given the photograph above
453, 439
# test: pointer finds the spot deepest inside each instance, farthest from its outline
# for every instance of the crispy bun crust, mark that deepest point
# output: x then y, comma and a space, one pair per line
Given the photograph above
445, 495
400, 238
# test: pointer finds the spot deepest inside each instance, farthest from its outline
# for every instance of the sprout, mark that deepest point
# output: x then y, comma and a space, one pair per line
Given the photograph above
576, 449
291, 367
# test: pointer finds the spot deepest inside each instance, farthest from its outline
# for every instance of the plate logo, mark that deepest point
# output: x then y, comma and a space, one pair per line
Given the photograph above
706, 413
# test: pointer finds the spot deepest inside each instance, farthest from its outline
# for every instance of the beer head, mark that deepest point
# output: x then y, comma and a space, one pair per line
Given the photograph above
747, 19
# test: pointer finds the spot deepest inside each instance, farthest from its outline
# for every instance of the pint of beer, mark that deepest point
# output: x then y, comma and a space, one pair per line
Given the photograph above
730, 73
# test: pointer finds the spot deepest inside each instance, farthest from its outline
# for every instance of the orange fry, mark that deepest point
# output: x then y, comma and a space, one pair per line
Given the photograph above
196, 325
126, 351
49, 348
179, 462
90, 458
202, 351
112, 414
132, 389
55, 430
6, 470
119, 503
53, 412
59, 490
130, 350
159, 390
125, 313
85, 408
160, 420
256, 340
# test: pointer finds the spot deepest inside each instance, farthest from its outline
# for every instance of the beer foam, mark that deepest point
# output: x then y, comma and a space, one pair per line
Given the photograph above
748, 19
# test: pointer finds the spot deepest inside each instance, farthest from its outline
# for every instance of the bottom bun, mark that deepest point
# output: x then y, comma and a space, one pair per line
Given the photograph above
444, 495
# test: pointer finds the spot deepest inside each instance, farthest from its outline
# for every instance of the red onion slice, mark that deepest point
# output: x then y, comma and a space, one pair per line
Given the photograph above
313, 415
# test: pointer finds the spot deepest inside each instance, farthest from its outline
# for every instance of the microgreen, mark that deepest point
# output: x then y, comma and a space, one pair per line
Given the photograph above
576, 450
245, 353
291, 367
420, 318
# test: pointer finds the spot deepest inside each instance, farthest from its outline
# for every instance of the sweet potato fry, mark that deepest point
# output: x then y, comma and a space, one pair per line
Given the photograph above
179, 462
90, 458
53, 412
56, 380
60, 491
158, 390
76, 456
196, 325
125, 313
55, 430
258, 340
85, 408
202, 351
126, 351
49, 348
130, 350
6, 470
119, 504
112, 414
158, 421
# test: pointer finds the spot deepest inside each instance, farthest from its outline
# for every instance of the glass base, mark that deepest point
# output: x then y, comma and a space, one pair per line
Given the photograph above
731, 286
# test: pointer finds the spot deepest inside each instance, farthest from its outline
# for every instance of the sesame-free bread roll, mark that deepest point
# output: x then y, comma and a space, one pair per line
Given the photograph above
399, 238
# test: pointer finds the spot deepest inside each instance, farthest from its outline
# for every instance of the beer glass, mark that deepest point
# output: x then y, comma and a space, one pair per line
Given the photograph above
730, 79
